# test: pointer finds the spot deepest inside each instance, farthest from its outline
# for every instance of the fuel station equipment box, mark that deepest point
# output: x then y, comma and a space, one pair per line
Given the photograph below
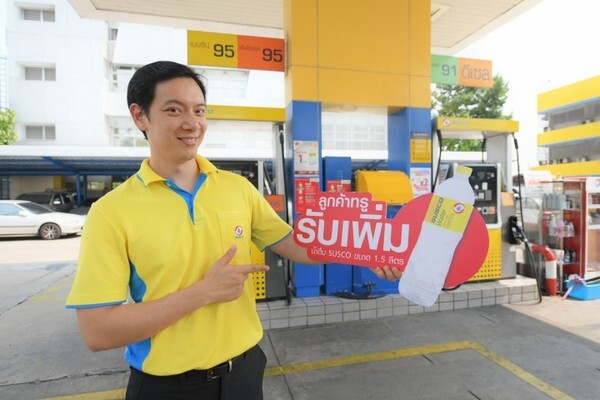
267, 285
395, 189
485, 180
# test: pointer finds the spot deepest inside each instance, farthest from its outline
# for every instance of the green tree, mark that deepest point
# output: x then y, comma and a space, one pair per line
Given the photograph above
465, 102
7, 127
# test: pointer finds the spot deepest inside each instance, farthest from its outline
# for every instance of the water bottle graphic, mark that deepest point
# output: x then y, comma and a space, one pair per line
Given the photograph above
442, 229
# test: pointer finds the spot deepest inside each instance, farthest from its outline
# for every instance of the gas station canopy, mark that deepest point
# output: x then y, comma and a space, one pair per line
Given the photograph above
455, 24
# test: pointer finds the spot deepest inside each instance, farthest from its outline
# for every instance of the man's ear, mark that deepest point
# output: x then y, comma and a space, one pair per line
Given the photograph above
139, 117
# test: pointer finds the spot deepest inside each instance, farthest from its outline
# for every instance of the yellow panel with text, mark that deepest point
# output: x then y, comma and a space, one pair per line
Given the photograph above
212, 49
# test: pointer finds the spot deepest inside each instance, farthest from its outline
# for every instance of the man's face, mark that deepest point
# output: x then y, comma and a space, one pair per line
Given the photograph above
176, 122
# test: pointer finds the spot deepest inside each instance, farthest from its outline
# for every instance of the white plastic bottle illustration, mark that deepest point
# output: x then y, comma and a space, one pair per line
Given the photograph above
442, 229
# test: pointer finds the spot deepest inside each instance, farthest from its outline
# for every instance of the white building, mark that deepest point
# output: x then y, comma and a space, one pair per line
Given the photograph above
67, 78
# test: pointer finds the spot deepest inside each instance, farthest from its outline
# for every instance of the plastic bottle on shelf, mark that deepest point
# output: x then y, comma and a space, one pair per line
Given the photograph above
551, 226
441, 231
569, 229
560, 228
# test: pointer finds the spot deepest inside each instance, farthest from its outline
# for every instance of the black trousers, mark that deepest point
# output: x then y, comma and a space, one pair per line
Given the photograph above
242, 382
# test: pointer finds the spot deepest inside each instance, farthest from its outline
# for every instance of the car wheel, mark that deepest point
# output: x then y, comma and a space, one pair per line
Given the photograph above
50, 231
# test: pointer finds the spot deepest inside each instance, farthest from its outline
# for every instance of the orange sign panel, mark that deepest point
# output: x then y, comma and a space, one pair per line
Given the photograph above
261, 53
472, 72
276, 201
235, 51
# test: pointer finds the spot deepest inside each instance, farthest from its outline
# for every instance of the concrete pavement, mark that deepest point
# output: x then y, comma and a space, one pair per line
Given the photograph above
515, 351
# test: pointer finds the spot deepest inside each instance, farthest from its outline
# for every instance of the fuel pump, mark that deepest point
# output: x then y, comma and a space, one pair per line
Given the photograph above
491, 181
269, 285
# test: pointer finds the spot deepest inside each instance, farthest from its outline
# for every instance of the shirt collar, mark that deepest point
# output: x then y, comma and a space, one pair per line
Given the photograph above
147, 175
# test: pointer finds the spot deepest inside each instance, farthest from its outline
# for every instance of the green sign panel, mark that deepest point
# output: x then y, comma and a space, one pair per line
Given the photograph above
444, 70
448, 70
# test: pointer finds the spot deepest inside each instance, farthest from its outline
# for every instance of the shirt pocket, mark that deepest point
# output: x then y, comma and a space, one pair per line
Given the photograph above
235, 229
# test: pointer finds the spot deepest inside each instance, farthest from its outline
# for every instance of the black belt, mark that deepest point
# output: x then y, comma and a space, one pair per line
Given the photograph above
219, 370
203, 374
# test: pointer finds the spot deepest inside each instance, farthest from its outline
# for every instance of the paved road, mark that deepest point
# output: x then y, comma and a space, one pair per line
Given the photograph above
31, 251
497, 352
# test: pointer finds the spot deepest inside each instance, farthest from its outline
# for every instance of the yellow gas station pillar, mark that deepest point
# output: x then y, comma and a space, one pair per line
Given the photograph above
343, 52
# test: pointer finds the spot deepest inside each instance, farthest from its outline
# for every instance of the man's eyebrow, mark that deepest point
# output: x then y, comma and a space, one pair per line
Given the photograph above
174, 101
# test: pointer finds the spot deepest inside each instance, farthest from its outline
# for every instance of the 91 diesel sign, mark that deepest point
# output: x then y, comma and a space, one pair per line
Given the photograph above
235, 51
449, 70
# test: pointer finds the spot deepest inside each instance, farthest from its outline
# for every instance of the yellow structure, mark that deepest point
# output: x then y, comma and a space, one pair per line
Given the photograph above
573, 134
392, 187
340, 54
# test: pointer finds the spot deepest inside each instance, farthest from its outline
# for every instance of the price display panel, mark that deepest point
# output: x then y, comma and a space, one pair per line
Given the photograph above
448, 70
235, 51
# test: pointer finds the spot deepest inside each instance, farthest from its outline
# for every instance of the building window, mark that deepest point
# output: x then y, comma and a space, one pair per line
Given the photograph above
112, 33
120, 77
38, 14
125, 137
224, 82
354, 131
40, 132
40, 73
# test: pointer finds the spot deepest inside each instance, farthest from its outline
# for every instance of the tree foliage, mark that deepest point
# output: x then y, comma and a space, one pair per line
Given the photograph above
465, 102
8, 120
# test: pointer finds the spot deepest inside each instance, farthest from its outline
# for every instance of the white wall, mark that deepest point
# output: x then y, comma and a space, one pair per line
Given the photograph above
143, 44
3, 31
80, 102
73, 103
22, 184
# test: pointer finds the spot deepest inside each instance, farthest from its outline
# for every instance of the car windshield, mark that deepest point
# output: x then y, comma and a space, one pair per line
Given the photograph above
35, 208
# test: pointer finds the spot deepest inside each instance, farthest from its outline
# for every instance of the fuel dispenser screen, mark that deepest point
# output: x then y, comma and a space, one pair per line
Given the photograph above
484, 181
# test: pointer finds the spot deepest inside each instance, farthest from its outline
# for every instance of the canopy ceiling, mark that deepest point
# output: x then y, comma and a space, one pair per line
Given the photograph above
455, 23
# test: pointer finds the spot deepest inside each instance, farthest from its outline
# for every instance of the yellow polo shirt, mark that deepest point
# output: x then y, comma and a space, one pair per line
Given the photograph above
148, 238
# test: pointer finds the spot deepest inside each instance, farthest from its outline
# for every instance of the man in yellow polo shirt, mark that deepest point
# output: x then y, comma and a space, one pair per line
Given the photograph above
175, 238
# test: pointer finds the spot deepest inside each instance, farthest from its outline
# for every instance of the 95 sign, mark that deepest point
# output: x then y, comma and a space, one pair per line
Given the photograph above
235, 51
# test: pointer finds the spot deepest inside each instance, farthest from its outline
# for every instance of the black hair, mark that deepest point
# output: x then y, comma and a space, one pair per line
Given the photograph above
142, 86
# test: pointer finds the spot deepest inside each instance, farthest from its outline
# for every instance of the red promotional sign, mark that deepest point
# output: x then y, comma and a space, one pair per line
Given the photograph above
339, 185
351, 228
306, 192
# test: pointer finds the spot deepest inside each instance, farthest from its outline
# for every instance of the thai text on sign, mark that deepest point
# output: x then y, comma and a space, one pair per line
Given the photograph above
235, 51
352, 228
448, 70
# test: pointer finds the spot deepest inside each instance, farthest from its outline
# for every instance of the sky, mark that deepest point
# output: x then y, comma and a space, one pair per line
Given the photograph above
553, 44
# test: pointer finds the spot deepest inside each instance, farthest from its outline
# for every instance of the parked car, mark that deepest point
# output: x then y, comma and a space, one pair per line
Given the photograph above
56, 200
84, 207
25, 218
